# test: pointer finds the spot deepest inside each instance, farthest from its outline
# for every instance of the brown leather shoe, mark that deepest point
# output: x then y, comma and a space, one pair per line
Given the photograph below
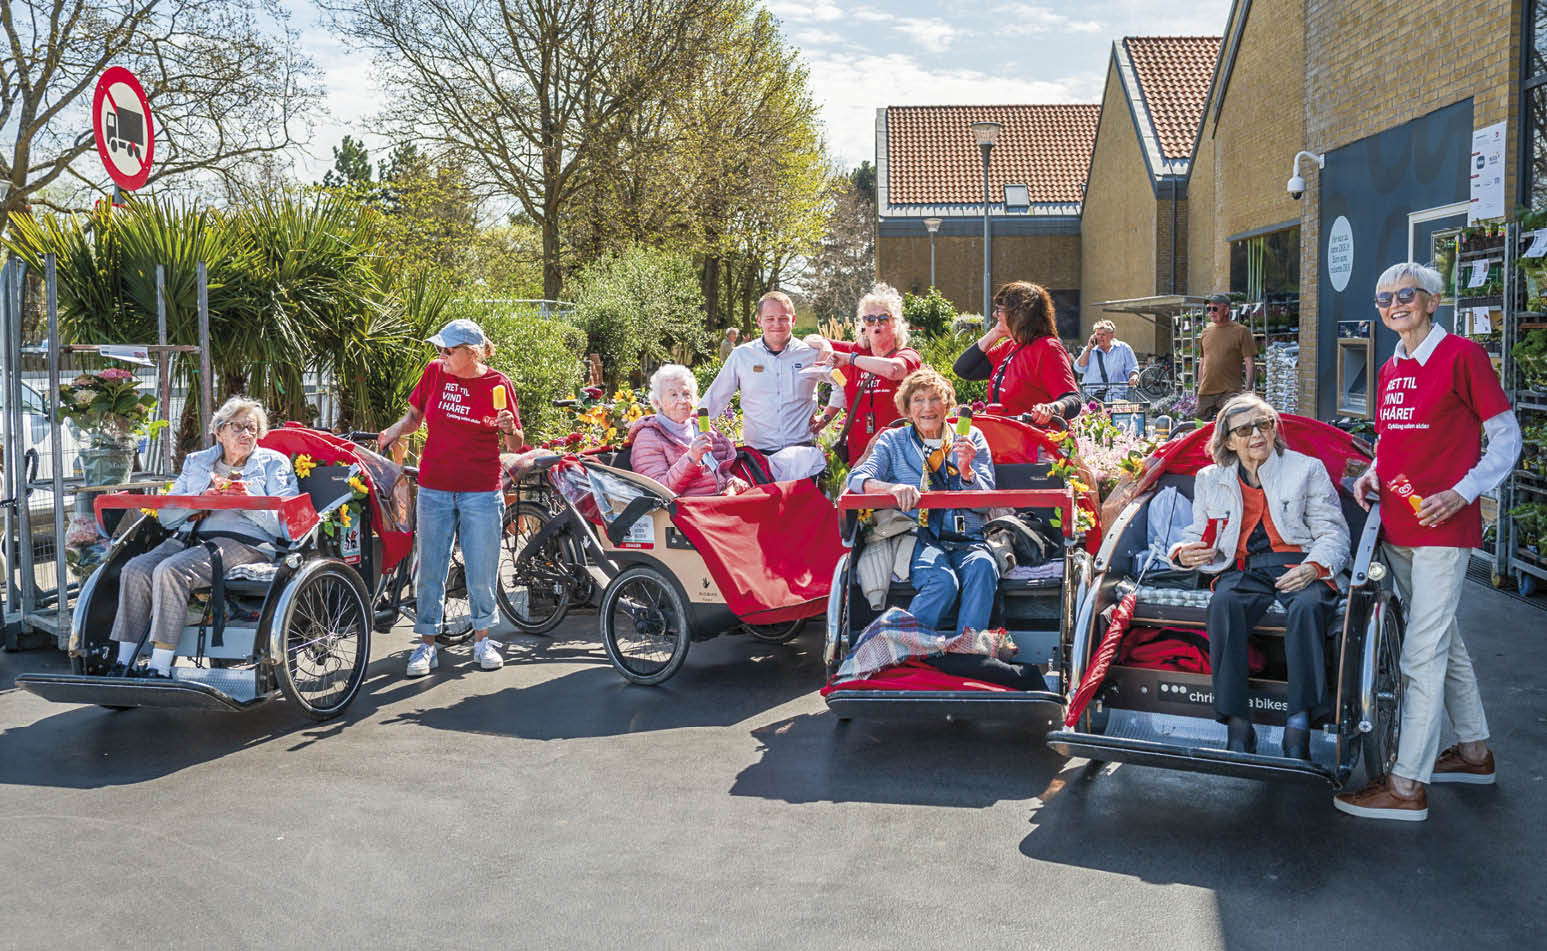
1379, 801
1452, 768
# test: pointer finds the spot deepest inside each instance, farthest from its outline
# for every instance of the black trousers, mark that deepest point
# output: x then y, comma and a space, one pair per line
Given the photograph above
1240, 600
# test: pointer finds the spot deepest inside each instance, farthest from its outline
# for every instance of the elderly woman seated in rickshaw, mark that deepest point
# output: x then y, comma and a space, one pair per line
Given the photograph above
950, 557
669, 447
153, 587
1266, 520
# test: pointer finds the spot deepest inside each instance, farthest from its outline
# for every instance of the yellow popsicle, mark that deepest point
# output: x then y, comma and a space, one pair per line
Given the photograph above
499, 398
837, 376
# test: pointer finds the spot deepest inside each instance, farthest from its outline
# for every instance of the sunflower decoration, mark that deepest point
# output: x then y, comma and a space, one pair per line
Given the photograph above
304, 464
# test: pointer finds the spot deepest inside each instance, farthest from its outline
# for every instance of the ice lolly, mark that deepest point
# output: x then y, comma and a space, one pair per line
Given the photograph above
963, 420
499, 398
1403, 487
703, 421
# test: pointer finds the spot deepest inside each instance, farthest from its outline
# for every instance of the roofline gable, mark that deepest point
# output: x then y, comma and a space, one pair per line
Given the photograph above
1224, 64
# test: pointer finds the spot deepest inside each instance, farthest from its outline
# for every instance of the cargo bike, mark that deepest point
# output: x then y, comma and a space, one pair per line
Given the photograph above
1034, 604
1139, 691
298, 626
667, 570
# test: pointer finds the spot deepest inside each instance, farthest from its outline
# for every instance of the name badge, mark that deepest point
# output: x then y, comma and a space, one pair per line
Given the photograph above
961, 524
757, 368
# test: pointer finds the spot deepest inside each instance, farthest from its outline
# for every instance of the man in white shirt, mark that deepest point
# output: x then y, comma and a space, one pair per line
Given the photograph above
777, 376
1107, 366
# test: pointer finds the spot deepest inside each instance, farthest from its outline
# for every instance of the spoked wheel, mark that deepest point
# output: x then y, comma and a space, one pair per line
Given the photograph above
535, 593
644, 625
456, 620
323, 639
1154, 383
775, 633
1378, 748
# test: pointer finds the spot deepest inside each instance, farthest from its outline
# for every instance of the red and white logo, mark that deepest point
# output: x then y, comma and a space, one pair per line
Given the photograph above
126, 135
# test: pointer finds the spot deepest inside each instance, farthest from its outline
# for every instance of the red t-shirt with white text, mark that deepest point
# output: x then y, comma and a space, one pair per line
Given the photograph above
1429, 422
462, 445
877, 406
1037, 372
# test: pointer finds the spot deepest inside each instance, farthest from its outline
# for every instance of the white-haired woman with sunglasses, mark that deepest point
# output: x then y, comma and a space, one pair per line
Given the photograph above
872, 366
153, 587
469, 411
1266, 521
1438, 397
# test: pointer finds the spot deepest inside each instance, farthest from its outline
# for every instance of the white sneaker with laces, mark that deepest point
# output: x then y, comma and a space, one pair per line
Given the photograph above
487, 652
423, 660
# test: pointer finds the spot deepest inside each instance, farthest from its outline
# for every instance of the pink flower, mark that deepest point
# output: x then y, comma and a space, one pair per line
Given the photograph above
116, 374
979, 406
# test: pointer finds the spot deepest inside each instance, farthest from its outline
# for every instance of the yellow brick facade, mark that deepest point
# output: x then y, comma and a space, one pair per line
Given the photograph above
1051, 260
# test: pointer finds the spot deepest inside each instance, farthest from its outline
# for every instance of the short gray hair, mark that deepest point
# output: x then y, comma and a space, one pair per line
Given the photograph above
664, 375
887, 296
1219, 442
1106, 325
1420, 274
238, 406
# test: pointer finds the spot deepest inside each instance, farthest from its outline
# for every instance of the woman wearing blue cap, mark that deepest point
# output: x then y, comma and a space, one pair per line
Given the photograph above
470, 414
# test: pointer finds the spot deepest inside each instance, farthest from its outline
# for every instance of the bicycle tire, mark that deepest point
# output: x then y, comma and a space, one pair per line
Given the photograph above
547, 575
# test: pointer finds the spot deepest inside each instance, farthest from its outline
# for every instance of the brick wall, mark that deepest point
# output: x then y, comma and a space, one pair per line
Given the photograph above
1051, 260
1119, 222
1467, 50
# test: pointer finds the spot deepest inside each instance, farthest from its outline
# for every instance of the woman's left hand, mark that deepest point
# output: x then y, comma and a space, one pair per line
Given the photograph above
965, 451
1041, 413
736, 485
1438, 507
505, 420
1296, 578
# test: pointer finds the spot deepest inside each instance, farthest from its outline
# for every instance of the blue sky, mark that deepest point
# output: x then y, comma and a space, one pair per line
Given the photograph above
863, 55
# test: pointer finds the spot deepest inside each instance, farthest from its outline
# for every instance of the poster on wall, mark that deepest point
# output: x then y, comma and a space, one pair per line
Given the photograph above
1487, 173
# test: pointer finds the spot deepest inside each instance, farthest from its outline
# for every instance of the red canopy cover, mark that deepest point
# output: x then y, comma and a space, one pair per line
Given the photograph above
772, 549
390, 488
1345, 456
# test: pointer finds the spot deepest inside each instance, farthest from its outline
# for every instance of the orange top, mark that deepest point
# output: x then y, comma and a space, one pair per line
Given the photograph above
1254, 509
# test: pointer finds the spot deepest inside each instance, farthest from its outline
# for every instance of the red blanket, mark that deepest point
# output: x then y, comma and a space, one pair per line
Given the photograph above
772, 549
915, 675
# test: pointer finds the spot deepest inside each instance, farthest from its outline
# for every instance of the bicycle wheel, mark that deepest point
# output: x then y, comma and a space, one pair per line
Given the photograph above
323, 639
644, 626
534, 593
1154, 383
775, 633
456, 619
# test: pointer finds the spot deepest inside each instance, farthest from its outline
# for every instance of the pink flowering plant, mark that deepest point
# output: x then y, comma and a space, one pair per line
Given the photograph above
1109, 450
107, 401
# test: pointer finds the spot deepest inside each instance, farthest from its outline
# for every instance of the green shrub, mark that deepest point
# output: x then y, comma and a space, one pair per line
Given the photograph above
928, 314
542, 357
941, 353
639, 309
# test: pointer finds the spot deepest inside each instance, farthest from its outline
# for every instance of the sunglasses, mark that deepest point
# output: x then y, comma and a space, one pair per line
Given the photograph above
251, 428
1261, 426
1404, 296
1216, 308
876, 318
448, 351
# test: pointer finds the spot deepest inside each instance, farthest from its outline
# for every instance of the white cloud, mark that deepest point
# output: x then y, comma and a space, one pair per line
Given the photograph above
822, 12
933, 35
849, 90
814, 37
1024, 19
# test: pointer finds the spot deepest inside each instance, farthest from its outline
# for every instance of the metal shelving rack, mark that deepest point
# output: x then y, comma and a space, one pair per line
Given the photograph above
1522, 316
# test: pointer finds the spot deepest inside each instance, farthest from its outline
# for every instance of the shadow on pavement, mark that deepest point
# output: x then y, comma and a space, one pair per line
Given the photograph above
814, 758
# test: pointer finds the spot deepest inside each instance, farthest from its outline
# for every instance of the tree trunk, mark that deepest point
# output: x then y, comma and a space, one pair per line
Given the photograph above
711, 285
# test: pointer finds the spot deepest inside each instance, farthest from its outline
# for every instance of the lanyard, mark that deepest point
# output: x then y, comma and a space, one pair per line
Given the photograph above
937, 461
993, 386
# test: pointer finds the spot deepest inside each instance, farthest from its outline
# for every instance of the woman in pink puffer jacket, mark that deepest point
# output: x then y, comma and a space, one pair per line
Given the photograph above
668, 447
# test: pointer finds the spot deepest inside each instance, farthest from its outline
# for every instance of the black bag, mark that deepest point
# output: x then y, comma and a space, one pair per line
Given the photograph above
1032, 541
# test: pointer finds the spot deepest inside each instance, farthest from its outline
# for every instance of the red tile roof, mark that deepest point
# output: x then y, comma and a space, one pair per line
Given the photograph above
1174, 74
933, 159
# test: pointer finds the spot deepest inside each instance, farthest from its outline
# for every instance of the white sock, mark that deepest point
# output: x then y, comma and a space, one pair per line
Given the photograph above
161, 660
126, 651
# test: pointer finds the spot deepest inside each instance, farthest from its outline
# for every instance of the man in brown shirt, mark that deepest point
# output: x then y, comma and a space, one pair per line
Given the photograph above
1226, 349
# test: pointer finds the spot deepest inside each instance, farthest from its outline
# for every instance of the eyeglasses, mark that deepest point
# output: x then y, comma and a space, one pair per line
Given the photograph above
1216, 308
1385, 299
240, 428
448, 351
876, 318
1265, 425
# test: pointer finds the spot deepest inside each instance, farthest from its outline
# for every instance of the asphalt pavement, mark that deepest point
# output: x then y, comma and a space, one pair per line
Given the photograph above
551, 805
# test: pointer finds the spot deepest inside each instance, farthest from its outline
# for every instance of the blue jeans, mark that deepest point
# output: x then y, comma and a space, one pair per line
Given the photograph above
940, 575
473, 518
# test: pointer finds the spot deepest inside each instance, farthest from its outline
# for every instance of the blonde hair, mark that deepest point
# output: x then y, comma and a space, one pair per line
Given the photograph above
924, 378
237, 406
1106, 325
887, 296
1219, 442
779, 296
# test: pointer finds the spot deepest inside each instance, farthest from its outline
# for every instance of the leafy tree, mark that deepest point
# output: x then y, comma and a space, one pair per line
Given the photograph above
351, 165
227, 81
639, 309
864, 180
542, 357
930, 314
844, 267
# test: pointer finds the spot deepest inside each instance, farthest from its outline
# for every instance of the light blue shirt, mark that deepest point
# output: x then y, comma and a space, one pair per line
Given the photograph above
1120, 362
896, 456
266, 472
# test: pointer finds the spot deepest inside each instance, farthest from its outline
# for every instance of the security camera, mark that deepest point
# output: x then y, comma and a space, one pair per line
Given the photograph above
1296, 187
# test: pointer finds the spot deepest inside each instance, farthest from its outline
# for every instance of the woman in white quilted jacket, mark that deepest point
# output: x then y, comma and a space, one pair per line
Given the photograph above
1266, 520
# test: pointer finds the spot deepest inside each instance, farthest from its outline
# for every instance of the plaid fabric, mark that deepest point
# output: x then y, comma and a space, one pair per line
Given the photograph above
897, 635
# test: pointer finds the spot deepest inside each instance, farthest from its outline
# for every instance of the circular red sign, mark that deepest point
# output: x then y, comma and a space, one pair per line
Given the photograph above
126, 136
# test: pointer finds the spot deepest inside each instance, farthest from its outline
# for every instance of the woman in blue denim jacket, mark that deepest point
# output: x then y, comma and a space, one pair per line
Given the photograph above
153, 587
950, 557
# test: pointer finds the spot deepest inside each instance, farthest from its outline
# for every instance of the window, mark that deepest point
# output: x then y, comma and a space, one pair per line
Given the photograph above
1533, 108
1266, 267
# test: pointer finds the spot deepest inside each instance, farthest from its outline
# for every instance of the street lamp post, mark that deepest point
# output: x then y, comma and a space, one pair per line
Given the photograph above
932, 225
986, 134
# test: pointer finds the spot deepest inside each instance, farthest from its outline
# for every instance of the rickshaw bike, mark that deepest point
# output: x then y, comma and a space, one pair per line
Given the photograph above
671, 570
1035, 606
1135, 690
298, 626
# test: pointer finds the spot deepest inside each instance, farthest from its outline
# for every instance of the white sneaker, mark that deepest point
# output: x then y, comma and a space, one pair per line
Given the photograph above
487, 653
423, 660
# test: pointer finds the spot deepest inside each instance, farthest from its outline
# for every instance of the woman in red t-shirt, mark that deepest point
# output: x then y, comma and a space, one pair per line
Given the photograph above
469, 411
1438, 396
1026, 366
871, 367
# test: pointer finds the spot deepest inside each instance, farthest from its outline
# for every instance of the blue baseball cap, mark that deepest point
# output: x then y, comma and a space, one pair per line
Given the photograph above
459, 333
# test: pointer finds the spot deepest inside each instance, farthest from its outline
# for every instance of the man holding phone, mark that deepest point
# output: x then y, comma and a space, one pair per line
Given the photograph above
1107, 365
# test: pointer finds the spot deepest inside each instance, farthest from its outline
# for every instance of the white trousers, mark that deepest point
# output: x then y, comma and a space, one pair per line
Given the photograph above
1436, 670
